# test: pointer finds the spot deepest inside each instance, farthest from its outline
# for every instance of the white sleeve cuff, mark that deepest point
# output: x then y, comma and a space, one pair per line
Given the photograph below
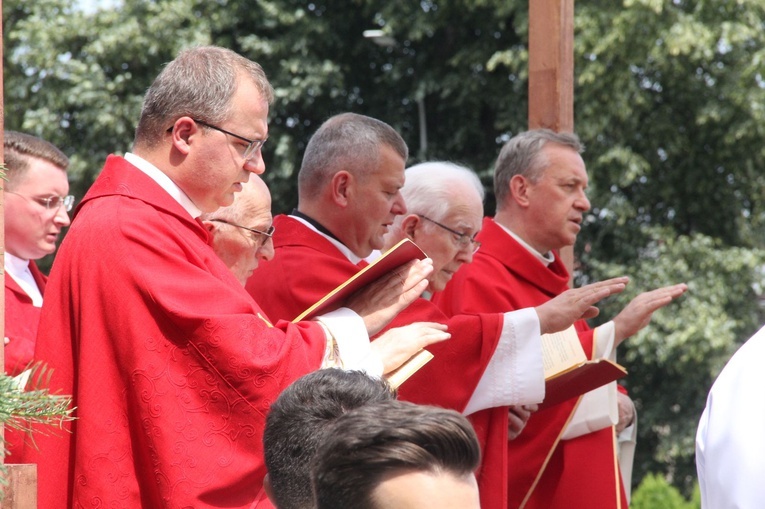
351, 340
514, 375
603, 341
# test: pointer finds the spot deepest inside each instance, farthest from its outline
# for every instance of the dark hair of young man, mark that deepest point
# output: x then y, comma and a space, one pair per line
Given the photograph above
368, 445
297, 423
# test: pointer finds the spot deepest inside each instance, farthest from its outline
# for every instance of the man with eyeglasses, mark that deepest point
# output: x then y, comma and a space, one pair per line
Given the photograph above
444, 203
171, 364
566, 455
241, 233
35, 212
349, 194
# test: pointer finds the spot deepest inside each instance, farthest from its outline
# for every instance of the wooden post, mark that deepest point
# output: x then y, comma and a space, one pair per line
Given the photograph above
551, 72
21, 492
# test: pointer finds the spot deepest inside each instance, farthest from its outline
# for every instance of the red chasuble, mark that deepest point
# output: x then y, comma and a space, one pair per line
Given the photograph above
540, 470
21, 322
171, 364
306, 266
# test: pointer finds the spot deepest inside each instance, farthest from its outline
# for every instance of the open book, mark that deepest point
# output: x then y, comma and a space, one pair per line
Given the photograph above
400, 254
568, 372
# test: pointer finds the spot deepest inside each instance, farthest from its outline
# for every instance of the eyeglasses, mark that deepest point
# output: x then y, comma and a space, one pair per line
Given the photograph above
463, 239
261, 234
252, 148
51, 202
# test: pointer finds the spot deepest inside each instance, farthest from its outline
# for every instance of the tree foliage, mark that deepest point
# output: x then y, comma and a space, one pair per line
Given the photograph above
669, 102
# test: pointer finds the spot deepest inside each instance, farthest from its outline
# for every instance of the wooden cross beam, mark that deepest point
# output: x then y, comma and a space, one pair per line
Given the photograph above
551, 72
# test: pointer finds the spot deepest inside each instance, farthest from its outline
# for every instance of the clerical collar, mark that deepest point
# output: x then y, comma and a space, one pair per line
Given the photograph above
164, 182
18, 269
313, 222
546, 259
321, 230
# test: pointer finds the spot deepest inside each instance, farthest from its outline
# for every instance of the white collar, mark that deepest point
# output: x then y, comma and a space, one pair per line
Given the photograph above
19, 270
339, 245
15, 265
164, 182
546, 259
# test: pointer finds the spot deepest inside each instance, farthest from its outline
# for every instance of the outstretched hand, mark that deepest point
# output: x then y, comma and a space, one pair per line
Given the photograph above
578, 303
638, 312
381, 301
395, 346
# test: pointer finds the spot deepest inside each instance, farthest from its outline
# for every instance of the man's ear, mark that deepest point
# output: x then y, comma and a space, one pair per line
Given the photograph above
182, 134
340, 189
269, 489
210, 226
519, 190
409, 225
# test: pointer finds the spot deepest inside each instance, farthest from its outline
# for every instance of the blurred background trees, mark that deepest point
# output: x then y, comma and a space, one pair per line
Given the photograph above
669, 100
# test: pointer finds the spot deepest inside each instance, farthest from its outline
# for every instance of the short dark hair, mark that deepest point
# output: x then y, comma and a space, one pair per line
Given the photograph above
298, 420
349, 142
369, 443
521, 156
200, 83
20, 147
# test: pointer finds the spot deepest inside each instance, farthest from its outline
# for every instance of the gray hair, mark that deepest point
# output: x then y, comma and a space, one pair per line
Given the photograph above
521, 156
20, 147
430, 186
199, 83
349, 142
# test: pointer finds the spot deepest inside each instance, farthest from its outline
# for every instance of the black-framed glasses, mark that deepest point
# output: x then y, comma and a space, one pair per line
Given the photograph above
463, 239
263, 236
52, 202
252, 147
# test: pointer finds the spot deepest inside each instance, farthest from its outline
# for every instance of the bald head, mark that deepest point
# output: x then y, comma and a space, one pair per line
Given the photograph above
234, 240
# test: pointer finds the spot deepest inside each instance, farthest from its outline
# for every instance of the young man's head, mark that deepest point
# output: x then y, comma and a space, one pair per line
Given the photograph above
241, 232
298, 421
203, 123
540, 182
350, 179
397, 455
36, 195
444, 204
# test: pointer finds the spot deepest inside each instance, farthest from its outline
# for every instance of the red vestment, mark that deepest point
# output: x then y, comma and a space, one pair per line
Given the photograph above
171, 364
21, 321
540, 469
306, 266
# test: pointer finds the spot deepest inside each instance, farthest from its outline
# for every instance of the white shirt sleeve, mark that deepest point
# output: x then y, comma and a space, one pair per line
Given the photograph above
348, 343
731, 435
514, 375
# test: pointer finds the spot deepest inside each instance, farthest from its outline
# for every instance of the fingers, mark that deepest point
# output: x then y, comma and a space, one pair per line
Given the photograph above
413, 273
518, 416
397, 345
637, 314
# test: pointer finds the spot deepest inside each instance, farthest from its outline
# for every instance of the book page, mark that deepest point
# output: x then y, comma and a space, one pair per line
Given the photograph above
561, 351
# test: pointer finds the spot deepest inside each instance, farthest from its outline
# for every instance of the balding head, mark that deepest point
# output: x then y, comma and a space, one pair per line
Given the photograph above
234, 242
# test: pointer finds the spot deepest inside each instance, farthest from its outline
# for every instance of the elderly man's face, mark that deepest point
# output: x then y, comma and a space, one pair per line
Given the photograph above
444, 247
239, 248
31, 229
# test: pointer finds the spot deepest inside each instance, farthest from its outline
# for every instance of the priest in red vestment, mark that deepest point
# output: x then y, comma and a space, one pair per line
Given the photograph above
35, 212
349, 194
566, 455
172, 366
